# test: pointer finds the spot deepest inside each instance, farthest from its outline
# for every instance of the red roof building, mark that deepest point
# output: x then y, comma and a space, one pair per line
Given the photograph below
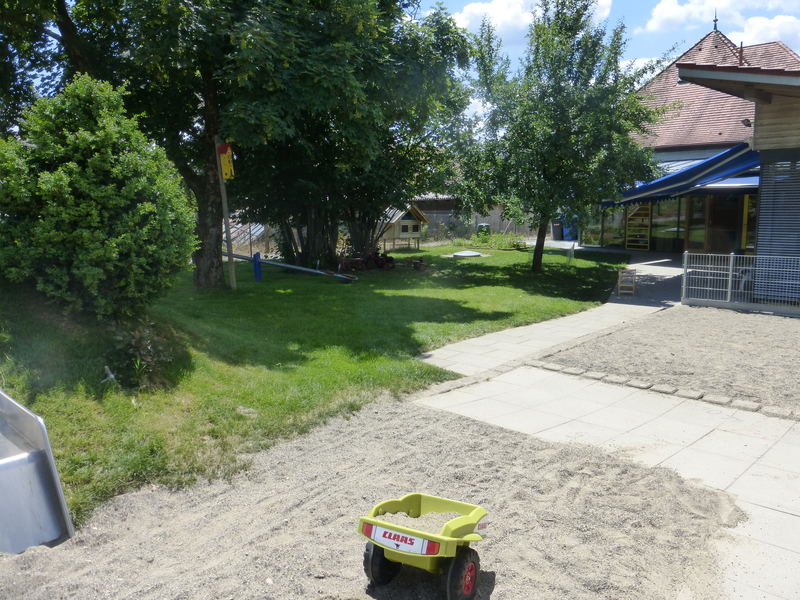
703, 121
708, 201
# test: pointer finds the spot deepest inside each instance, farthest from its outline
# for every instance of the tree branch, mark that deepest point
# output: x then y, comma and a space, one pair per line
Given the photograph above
52, 34
71, 40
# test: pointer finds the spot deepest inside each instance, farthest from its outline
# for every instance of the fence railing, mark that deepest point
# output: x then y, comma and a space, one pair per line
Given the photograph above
759, 283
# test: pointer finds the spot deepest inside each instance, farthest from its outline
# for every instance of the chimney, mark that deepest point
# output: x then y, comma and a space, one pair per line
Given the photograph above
741, 53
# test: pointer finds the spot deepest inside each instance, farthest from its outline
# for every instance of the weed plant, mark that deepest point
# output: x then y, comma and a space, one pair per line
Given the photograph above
264, 363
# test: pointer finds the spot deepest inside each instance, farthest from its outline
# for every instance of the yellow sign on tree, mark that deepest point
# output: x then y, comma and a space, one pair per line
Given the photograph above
226, 159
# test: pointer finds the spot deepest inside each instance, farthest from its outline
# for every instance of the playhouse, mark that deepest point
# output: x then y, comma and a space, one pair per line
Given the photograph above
403, 225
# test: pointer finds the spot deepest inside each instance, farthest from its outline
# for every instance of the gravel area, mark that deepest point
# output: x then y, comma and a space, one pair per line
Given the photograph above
746, 356
565, 521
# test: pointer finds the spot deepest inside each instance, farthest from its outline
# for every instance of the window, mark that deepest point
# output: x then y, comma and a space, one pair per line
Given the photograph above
415, 228
404, 228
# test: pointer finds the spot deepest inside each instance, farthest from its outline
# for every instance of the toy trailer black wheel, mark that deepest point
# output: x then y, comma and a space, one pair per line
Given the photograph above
379, 569
460, 575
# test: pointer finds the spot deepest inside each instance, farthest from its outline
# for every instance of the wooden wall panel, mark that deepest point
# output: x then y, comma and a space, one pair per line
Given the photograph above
777, 125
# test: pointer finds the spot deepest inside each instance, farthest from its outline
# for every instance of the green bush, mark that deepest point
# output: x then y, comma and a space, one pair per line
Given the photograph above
91, 210
496, 240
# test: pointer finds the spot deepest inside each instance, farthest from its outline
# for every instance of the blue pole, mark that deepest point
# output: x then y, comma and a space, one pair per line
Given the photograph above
257, 265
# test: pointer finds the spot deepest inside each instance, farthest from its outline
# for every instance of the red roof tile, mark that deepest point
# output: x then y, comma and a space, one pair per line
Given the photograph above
774, 55
705, 117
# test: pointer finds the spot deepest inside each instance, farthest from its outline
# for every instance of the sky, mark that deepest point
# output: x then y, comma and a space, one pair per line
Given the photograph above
652, 26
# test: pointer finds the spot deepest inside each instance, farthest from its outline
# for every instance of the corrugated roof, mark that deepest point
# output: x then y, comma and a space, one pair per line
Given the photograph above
706, 117
393, 215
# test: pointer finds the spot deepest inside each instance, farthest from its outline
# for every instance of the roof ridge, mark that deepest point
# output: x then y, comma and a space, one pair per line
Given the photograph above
734, 49
730, 44
788, 50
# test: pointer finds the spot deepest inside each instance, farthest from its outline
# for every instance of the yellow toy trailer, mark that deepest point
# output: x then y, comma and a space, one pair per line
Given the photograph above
447, 552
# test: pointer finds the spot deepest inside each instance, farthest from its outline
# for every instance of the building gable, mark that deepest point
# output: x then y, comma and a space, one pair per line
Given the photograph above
702, 117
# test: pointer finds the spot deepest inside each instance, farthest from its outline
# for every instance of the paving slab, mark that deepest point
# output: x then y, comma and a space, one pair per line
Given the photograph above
524, 375
751, 455
529, 421
465, 369
641, 449
759, 570
714, 470
602, 393
769, 487
648, 402
574, 408
617, 418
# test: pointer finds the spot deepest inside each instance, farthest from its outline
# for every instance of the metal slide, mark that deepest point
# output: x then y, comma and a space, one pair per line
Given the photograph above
33, 510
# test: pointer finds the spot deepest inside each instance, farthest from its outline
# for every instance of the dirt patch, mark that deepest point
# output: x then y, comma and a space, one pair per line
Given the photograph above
746, 356
565, 521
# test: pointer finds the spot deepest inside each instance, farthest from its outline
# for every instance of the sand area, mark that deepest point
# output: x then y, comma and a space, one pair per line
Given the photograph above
566, 521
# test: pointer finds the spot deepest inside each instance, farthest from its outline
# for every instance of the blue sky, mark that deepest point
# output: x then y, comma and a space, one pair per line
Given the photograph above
653, 26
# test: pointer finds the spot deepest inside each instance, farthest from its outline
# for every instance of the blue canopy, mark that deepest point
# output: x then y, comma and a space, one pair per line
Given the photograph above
712, 170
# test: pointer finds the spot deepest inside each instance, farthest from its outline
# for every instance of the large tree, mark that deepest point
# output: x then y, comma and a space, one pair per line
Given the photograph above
349, 166
558, 136
253, 72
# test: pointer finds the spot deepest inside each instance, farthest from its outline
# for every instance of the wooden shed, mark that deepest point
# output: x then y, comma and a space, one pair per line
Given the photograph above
404, 225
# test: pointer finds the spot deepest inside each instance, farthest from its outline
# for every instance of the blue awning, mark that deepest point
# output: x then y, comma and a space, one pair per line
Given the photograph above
712, 170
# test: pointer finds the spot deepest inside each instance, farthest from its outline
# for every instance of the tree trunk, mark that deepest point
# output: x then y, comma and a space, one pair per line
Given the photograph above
208, 273
538, 252
71, 41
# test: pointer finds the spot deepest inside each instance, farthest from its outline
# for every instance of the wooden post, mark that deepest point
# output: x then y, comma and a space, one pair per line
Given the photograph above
223, 192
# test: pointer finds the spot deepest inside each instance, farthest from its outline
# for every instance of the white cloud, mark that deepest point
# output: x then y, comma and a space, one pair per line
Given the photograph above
670, 14
790, 6
754, 20
515, 15
758, 30
602, 10
507, 15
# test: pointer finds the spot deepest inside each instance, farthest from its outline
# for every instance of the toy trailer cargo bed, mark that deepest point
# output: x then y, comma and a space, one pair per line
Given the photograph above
423, 549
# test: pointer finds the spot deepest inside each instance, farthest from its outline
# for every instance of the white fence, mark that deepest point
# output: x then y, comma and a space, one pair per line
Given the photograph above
758, 283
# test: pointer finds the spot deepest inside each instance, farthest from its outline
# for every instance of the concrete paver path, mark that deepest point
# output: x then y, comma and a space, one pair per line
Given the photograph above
751, 456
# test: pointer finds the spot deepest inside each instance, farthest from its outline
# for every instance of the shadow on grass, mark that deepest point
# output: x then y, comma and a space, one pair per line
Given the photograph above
288, 317
42, 349
560, 279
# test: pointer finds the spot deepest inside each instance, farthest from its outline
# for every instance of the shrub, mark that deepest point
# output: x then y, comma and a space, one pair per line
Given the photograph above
496, 240
91, 210
139, 354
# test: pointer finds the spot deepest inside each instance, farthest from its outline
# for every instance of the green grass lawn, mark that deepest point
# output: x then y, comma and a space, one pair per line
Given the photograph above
265, 362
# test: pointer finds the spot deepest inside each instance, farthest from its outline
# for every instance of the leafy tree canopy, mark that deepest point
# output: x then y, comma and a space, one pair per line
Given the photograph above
348, 162
333, 83
558, 135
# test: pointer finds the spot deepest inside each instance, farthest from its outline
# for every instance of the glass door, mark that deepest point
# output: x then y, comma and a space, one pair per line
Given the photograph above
696, 224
